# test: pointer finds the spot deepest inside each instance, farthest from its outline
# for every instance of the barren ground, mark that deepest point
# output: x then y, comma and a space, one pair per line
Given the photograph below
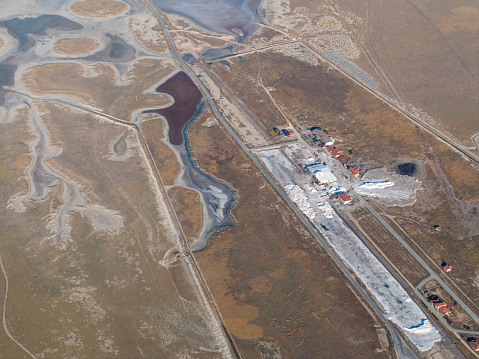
75, 47
99, 8
96, 85
77, 299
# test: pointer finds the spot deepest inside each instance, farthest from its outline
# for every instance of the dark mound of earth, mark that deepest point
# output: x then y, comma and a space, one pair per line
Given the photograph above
406, 169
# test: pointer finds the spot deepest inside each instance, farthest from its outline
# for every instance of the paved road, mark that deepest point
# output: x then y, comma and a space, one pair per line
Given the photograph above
418, 258
427, 127
402, 350
431, 308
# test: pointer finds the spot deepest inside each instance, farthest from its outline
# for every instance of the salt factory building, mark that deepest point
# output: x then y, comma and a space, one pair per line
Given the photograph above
321, 172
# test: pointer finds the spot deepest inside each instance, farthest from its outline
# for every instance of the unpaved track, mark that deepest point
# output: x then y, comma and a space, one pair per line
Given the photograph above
4, 319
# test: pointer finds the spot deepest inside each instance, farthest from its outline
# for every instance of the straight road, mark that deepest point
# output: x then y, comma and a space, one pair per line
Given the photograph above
433, 275
427, 127
431, 308
402, 350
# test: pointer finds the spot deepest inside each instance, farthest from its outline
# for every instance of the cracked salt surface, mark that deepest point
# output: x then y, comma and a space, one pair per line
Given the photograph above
394, 300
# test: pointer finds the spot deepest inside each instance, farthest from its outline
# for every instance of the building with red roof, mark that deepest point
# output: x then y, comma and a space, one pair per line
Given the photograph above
354, 171
475, 345
346, 199
445, 311
333, 150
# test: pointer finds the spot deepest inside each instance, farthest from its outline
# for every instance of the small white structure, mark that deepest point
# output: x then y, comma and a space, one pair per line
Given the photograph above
325, 177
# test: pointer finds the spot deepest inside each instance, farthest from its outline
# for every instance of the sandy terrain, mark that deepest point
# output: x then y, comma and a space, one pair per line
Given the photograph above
99, 8
148, 33
75, 47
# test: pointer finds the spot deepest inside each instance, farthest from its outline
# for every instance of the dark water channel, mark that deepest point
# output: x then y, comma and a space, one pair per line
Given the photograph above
7, 74
187, 97
116, 51
217, 197
21, 28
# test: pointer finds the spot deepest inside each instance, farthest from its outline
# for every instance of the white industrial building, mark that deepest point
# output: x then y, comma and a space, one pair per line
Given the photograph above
322, 173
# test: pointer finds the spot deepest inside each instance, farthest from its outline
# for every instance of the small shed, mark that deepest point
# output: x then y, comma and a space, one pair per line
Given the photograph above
333, 150
445, 311
354, 171
346, 199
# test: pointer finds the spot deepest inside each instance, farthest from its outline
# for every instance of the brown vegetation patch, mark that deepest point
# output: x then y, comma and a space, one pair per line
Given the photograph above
75, 47
96, 85
99, 8
268, 261
164, 157
2, 43
189, 211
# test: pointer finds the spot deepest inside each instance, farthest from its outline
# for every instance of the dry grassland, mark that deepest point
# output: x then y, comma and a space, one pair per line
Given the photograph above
75, 47
96, 85
247, 90
357, 120
273, 284
189, 210
99, 8
104, 294
430, 63
165, 159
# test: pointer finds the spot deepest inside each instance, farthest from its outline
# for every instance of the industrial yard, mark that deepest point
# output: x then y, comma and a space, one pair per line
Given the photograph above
259, 184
